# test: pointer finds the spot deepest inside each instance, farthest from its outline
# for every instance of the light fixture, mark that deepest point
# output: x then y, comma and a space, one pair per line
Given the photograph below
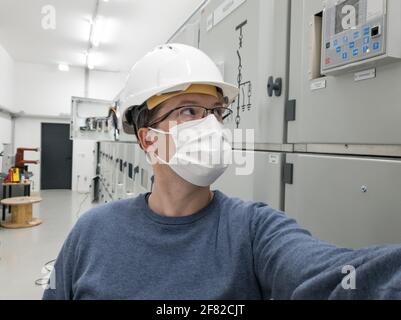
63, 67
97, 31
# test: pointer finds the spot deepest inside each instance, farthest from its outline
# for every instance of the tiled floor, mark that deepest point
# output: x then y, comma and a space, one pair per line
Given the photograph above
23, 252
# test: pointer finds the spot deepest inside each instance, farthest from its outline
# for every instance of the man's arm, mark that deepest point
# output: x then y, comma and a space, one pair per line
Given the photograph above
291, 264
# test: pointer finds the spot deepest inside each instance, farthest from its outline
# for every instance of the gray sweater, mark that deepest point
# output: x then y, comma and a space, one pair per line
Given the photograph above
228, 250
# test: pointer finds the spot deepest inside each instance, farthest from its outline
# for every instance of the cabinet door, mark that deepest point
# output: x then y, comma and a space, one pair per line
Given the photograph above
337, 108
348, 201
255, 176
248, 40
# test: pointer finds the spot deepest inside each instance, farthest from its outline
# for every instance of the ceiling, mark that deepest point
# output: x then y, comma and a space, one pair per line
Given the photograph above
132, 28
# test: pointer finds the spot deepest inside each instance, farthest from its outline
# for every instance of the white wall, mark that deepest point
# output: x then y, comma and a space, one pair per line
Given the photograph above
6, 97
7, 78
44, 90
105, 85
5, 132
5, 128
28, 135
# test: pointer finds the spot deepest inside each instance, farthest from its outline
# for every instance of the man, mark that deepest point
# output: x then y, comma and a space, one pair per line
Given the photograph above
183, 241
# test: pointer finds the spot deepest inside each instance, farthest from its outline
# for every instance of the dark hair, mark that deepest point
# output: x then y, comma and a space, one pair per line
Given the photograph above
139, 117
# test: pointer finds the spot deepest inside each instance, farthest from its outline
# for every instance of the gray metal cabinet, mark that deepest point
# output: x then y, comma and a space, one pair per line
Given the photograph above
337, 108
189, 33
256, 176
248, 40
348, 201
132, 158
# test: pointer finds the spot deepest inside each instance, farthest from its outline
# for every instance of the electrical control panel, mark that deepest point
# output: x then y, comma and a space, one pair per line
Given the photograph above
357, 32
92, 119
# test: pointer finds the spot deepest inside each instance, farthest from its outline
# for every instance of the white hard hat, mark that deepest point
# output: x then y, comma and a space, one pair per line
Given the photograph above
171, 68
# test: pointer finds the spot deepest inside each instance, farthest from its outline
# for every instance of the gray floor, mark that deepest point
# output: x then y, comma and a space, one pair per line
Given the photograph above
23, 252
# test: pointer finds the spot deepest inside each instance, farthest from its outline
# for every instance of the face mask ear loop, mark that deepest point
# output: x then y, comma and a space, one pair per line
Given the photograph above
160, 131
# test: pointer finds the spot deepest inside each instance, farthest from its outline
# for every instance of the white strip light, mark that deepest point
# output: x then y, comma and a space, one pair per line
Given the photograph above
97, 31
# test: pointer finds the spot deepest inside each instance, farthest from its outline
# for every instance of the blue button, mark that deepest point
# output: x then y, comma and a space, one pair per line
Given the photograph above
356, 35
335, 43
366, 31
366, 40
355, 52
352, 45
345, 55
365, 49
376, 46
338, 49
345, 39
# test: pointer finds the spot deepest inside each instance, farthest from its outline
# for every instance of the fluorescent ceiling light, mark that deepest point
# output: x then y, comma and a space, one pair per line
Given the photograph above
97, 31
63, 67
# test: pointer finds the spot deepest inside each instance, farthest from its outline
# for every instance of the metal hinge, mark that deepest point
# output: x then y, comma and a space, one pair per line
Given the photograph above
288, 173
290, 110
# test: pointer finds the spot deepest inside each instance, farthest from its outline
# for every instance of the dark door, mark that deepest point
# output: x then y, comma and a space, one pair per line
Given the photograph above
56, 156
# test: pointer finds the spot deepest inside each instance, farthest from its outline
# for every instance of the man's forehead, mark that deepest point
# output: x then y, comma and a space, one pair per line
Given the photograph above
189, 98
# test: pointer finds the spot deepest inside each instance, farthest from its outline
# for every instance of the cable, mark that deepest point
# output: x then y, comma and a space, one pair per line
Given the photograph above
80, 205
47, 264
45, 280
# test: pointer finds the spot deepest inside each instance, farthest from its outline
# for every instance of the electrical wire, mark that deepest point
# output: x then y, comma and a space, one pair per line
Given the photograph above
80, 205
46, 280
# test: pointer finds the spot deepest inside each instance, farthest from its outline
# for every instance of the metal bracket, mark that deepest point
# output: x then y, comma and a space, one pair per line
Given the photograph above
288, 173
290, 110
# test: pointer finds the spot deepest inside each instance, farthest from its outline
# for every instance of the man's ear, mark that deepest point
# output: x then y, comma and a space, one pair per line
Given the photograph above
146, 138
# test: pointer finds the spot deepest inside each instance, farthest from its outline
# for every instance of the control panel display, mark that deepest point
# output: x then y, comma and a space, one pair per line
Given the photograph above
353, 31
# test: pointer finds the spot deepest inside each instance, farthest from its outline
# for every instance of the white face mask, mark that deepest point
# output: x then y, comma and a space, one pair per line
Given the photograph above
203, 150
